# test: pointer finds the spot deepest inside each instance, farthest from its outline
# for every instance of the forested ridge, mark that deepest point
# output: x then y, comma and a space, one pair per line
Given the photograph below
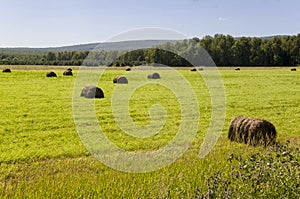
224, 50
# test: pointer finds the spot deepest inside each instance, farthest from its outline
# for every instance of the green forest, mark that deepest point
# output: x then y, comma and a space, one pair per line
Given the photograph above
224, 50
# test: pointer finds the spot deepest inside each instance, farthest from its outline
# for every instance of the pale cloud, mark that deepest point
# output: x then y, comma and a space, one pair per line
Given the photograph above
222, 19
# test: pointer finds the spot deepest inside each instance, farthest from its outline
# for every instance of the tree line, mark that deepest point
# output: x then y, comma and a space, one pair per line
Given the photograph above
223, 50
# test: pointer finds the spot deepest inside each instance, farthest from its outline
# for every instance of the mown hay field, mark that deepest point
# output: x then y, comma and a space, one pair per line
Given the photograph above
41, 154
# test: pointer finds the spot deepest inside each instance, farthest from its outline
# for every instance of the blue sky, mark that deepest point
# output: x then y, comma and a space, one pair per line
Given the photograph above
34, 23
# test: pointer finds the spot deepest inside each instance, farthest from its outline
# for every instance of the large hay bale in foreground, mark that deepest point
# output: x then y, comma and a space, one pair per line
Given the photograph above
154, 76
51, 74
293, 69
68, 73
120, 80
92, 92
6, 70
252, 131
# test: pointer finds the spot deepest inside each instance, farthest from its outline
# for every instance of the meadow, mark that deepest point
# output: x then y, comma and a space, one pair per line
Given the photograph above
42, 155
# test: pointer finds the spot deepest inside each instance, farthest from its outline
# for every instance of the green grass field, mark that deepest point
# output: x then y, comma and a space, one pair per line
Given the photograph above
41, 153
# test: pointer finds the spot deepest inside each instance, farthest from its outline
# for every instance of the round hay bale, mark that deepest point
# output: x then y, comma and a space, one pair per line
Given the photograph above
154, 76
68, 73
6, 70
92, 92
252, 131
128, 69
193, 69
120, 80
237, 69
70, 69
293, 69
201, 69
51, 74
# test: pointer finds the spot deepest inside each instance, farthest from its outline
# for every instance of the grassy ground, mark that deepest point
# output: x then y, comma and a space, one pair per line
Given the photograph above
41, 154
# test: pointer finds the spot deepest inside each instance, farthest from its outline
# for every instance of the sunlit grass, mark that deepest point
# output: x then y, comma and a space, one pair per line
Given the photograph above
41, 154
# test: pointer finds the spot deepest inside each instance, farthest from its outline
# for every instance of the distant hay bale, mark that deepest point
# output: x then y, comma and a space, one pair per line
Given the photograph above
120, 80
128, 69
68, 73
92, 92
201, 69
51, 74
70, 69
6, 70
293, 69
252, 131
193, 69
237, 69
154, 76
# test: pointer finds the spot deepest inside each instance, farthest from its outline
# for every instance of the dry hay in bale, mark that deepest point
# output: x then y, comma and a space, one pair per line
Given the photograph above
201, 69
193, 69
6, 70
154, 76
69, 69
92, 92
237, 69
128, 69
51, 74
252, 131
120, 80
115, 80
293, 69
68, 73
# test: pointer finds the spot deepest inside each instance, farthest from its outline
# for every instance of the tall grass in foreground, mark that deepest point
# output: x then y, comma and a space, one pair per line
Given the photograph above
41, 154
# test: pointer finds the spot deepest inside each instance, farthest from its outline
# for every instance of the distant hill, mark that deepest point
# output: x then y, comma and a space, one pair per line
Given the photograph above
122, 45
